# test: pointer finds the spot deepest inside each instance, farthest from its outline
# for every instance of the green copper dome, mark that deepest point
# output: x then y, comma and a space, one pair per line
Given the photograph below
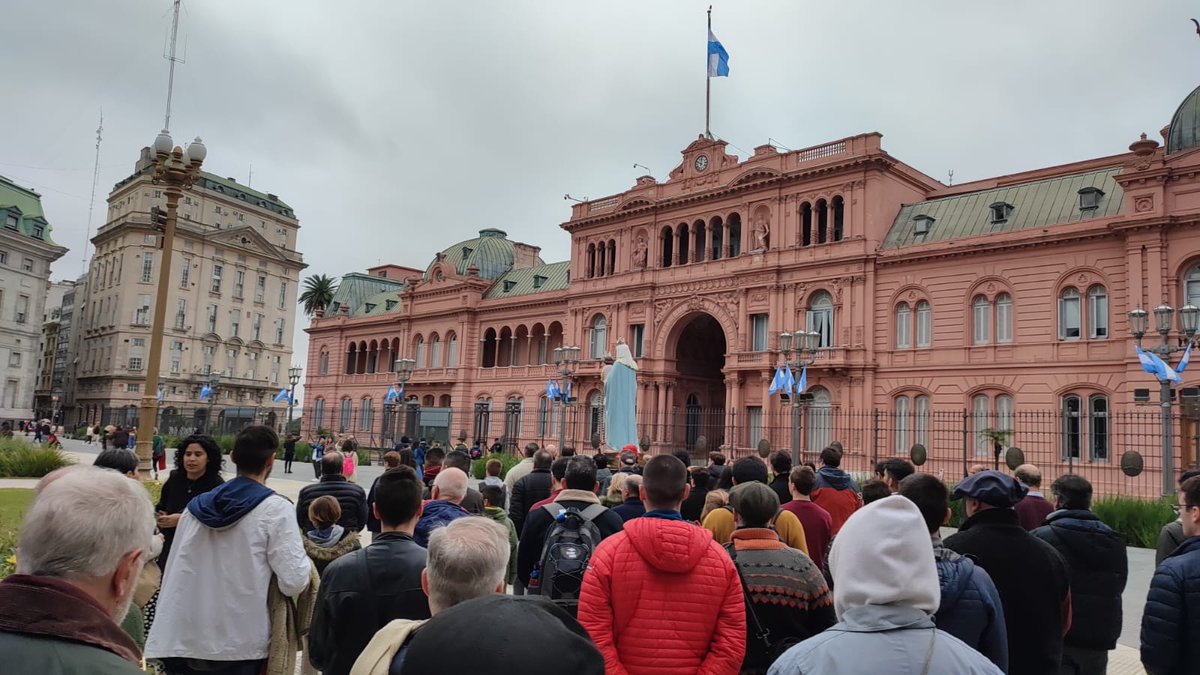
491, 252
1185, 125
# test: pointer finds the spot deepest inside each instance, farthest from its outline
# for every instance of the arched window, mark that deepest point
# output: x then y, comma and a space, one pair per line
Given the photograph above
543, 417
1097, 312
820, 419
323, 363
365, 415
599, 338
822, 221
924, 325
981, 328
591, 261
1098, 427
444, 401
698, 241
903, 411
1191, 287
1004, 318
1070, 315
981, 422
351, 358
420, 353
1072, 423
595, 418
806, 223
435, 351
612, 256
667, 238
921, 421
318, 414
718, 235
682, 256
601, 252
427, 401
452, 351
820, 318
489, 348
903, 328
372, 356
347, 411
838, 217
735, 235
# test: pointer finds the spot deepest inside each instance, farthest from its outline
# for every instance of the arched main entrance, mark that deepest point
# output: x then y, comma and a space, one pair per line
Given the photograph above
697, 354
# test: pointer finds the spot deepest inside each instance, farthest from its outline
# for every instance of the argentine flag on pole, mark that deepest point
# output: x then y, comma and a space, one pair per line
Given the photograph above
205, 392
789, 380
1187, 358
160, 394
281, 396
718, 58
1154, 365
552, 392
803, 383
778, 383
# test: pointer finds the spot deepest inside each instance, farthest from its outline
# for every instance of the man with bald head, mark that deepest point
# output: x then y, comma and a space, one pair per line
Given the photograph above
445, 505
1033, 509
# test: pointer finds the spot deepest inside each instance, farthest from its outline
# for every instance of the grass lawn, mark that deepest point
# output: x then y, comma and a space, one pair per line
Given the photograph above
13, 504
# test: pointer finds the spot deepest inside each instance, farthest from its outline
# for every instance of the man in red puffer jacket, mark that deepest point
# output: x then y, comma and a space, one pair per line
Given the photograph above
648, 598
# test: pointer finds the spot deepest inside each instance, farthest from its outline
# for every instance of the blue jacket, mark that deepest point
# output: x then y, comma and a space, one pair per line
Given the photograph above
437, 514
629, 509
883, 639
1171, 620
830, 477
970, 609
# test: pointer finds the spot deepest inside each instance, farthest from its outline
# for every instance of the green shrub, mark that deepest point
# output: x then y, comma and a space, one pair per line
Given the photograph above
507, 461
22, 459
1139, 520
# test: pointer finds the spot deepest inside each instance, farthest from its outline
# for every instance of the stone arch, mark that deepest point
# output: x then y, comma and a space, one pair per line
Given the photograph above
681, 314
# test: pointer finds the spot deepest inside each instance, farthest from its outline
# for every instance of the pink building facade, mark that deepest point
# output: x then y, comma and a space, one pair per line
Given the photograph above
941, 311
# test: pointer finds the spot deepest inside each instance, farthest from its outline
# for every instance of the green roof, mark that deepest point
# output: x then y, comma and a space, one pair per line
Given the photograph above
530, 280
1034, 205
356, 289
235, 190
1184, 133
27, 206
491, 252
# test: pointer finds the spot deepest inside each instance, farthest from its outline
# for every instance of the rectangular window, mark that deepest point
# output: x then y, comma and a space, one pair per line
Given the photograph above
235, 322
820, 320
147, 267
185, 274
279, 332
218, 270
275, 361
282, 294
135, 363
345, 417
27, 264
239, 283
11, 222
21, 314
759, 324
210, 354
754, 425
1098, 427
251, 365
141, 313
1098, 313
319, 413
452, 353
1069, 315
981, 421
212, 318
14, 359
903, 328
637, 340
176, 357
230, 362
258, 326
260, 289
1004, 318
181, 314
1072, 423
924, 325
982, 314
921, 421
903, 411
3, 257
133, 387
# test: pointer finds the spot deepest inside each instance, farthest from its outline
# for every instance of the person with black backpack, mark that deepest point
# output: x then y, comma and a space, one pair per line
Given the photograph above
559, 538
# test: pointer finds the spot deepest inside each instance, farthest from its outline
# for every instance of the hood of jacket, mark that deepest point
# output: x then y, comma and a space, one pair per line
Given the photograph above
327, 537
836, 478
334, 551
883, 556
229, 502
668, 545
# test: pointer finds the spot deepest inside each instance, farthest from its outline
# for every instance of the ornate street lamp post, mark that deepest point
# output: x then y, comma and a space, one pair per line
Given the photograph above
404, 370
175, 170
804, 345
566, 359
1189, 315
293, 380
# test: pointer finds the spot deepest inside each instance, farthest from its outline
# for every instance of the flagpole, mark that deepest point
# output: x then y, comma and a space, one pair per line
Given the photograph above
707, 80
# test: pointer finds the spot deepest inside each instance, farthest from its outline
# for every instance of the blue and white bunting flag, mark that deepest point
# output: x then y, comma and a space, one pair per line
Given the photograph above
789, 380
777, 382
391, 395
552, 392
803, 383
1187, 358
718, 58
1154, 365
205, 392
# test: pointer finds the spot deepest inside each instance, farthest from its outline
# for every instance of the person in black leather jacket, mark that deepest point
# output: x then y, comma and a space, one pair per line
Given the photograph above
351, 497
364, 590
1097, 566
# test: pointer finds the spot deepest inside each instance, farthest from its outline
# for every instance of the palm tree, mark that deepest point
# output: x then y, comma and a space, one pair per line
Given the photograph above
997, 437
318, 293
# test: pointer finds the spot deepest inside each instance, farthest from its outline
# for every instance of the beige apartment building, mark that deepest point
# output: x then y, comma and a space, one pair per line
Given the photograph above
234, 278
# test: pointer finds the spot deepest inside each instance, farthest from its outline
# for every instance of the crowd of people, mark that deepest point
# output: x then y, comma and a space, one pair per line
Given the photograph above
581, 564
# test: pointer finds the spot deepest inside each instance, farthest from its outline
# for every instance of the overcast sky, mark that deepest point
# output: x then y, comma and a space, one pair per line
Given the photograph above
398, 128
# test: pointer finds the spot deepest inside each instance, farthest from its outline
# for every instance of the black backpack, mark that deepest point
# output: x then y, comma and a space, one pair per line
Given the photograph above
570, 543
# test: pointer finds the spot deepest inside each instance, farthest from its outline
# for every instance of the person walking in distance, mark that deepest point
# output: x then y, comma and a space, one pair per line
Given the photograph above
1097, 566
970, 607
661, 596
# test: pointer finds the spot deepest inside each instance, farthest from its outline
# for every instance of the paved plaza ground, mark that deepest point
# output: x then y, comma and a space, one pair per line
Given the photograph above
1122, 661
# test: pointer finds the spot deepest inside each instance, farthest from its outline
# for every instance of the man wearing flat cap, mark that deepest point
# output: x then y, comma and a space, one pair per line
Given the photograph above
1029, 574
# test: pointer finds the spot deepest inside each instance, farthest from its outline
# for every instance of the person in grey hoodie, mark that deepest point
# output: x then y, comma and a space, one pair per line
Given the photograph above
885, 592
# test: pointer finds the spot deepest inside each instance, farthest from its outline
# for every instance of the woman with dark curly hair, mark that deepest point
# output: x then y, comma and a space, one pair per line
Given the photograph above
197, 470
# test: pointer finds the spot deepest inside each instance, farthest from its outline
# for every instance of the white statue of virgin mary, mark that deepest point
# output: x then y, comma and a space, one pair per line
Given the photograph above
620, 400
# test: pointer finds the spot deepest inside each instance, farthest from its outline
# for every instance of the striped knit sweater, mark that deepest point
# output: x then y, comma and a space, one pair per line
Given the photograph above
791, 598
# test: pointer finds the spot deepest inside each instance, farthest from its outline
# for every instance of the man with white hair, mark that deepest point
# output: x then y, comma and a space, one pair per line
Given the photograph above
467, 559
76, 574
885, 592
445, 505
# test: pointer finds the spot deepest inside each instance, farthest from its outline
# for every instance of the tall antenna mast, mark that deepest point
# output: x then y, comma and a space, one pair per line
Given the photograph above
92, 201
173, 59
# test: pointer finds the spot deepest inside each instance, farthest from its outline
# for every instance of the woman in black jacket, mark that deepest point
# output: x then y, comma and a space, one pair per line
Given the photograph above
197, 470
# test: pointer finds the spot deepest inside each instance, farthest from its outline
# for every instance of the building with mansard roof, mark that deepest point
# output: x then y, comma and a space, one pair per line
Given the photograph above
942, 314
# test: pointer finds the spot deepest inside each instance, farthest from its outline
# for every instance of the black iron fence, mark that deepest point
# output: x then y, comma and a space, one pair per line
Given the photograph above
1057, 441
